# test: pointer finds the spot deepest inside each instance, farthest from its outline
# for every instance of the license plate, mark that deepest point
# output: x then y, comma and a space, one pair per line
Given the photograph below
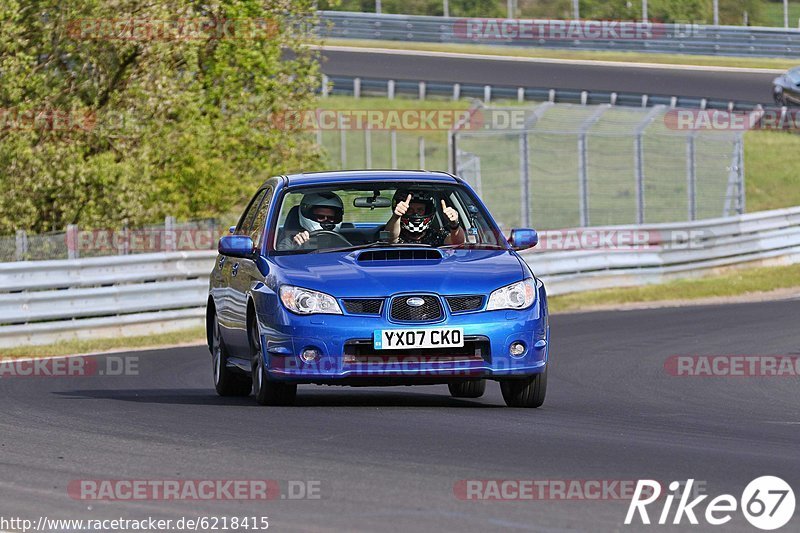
399, 339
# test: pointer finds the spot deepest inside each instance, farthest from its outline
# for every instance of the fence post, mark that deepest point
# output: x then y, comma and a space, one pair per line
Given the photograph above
342, 143
170, 244
691, 178
21, 245
390, 89
524, 181
583, 163
72, 241
638, 158
356, 87
422, 90
487, 94
742, 196
393, 138
421, 150
368, 147
456, 91
324, 86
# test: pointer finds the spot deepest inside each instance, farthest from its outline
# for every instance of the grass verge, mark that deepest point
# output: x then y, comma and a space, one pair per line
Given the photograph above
624, 57
736, 282
184, 336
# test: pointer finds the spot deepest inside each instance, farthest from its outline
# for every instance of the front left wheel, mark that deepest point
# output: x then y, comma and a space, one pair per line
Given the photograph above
528, 392
227, 382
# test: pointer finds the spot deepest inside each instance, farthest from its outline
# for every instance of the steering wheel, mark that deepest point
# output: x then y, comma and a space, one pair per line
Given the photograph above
313, 237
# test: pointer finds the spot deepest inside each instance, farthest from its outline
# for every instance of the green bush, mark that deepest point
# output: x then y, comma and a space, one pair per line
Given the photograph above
162, 126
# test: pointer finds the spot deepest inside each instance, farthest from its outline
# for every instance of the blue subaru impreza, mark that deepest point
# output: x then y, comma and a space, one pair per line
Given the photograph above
369, 278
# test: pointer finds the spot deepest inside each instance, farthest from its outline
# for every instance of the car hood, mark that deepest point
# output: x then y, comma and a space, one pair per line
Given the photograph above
457, 272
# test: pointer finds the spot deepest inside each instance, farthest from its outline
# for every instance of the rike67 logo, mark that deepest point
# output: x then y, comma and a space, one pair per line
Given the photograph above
767, 502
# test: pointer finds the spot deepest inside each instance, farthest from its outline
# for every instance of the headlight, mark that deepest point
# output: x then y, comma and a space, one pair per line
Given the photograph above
518, 295
308, 302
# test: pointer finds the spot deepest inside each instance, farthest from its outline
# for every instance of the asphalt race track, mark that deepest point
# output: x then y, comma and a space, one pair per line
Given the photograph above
389, 459
753, 87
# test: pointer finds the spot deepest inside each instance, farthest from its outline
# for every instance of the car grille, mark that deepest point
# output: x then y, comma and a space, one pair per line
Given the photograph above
429, 311
462, 304
363, 306
476, 348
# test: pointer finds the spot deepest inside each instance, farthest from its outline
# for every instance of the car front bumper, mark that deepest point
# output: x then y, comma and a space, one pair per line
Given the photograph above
346, 356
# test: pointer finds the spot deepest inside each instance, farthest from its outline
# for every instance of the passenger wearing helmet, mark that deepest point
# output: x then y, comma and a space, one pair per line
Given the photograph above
317, 212
413, 213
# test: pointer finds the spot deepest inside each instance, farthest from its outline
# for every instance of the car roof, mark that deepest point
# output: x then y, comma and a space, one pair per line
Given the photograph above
339, 176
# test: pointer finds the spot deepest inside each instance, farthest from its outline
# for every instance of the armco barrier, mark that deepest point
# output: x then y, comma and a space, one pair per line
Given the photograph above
43, 302
664, 38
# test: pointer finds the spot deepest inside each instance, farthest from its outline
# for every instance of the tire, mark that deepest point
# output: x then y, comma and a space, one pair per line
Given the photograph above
226, 381
473, 388
780, 99
267, 392
528, 392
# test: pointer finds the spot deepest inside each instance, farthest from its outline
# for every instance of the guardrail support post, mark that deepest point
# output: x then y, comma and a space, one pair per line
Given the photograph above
456, 91
520, 94
742, 196
487, 94
356, 87
390, 89
422, 90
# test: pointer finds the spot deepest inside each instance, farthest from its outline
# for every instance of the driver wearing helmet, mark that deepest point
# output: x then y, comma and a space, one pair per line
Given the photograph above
317, 212
411, 220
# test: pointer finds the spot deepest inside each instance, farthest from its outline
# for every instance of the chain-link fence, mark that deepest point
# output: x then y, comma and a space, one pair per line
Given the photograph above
571, 165
78, 242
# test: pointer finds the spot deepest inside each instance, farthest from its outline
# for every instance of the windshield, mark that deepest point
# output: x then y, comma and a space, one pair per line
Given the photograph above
344, 217
794, 76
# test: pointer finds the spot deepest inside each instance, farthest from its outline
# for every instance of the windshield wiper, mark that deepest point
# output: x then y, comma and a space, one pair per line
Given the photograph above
473, 245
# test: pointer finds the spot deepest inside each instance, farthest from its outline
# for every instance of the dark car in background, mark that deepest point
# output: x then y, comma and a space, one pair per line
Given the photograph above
786, 88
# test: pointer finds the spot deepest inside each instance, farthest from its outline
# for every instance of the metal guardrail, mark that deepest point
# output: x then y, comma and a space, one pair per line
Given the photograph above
384, 87
44, 302
573, 35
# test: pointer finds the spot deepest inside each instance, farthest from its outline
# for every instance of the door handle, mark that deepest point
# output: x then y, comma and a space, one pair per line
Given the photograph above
235, 269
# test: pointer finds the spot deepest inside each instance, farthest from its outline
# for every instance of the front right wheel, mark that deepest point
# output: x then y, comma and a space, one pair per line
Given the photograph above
267, 392
529, 392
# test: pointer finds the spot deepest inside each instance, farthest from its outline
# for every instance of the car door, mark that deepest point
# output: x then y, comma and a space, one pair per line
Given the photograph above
245, 273
227, 298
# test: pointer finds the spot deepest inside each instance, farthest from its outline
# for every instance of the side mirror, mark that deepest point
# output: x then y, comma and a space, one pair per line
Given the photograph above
236, 246
523, 238
232, 230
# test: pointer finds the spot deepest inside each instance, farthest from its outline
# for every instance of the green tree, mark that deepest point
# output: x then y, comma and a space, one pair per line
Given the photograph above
99, 130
